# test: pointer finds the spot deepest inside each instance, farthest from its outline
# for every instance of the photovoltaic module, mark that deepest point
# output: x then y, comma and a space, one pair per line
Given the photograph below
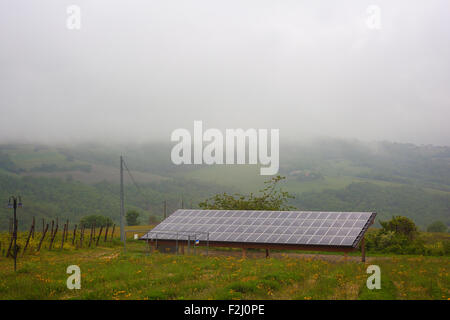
344, 229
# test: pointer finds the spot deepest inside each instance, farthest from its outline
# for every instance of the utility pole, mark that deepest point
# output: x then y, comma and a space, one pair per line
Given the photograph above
122, 207
165, 209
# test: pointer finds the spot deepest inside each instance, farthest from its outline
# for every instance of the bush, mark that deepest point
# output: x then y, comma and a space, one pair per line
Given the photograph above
401, 226
132, 218
398, 236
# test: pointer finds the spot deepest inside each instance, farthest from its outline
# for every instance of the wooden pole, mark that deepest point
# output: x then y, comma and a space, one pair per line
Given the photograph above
53, 238
56, 225
63, 236
28, 238
64, 231
10, 246
34, 227
82, 236
106, 233
99, 235
363, 250
44, 232
74, 234
90, 238
267, 253
51, 232
244, 252
112, 232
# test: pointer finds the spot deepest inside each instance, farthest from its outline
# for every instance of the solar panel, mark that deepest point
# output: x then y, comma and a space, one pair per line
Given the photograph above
265, 227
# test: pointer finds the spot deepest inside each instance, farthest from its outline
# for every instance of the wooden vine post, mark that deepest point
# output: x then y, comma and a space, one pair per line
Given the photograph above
82, 236
99, 235
90, 238
74, 234
51, 232
112, 233
53, 237
34, 227
10, 245
28, 238
44, 232
106, 233
63, 236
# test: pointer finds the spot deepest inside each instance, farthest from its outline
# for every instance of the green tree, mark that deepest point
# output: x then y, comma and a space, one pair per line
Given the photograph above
132, 217
97, 220
401, 226
269, 198
437, 226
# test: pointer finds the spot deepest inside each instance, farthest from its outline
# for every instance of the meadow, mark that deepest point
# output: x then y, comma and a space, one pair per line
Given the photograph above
107, 272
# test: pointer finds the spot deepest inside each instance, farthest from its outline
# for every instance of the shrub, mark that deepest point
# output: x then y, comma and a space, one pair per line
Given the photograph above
401, 225
132, 217
398, 236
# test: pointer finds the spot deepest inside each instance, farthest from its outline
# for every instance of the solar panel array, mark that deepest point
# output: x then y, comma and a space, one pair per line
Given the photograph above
266, 227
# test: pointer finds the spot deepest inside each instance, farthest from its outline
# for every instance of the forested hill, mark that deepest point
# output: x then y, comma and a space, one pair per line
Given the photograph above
328, 174
50, 198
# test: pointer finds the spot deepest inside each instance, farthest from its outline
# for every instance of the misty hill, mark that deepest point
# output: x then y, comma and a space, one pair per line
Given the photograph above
325, 174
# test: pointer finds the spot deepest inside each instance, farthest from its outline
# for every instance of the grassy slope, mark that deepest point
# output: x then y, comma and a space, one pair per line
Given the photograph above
108, 273
246, 177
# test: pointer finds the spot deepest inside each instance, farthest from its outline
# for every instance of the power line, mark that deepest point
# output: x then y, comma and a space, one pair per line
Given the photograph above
140, 191
132, 178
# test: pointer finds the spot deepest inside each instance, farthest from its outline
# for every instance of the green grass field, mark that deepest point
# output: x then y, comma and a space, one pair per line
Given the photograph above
245, 177
109, 273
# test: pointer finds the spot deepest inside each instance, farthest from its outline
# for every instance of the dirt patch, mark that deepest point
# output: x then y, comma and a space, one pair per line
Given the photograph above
110, 257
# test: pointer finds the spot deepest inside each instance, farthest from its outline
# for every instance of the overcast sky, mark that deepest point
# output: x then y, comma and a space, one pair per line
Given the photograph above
140, 69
